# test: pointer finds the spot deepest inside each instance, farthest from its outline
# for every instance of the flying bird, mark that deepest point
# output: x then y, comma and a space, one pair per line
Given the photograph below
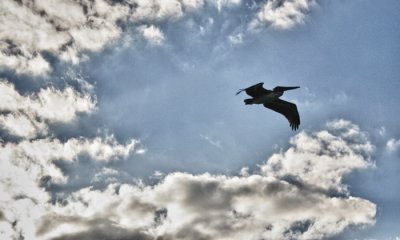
270, 99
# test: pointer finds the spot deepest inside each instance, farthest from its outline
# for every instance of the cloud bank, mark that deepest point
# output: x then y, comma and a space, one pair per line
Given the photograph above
31, 32
297, 193
29, 151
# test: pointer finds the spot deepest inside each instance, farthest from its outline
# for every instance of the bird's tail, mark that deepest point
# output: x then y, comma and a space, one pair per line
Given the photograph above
248, 101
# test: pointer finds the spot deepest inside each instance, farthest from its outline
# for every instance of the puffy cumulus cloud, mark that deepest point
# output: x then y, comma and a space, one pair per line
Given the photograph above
321, 159
26, 166
193, 4
282, 14
392, 145
156, 10
31, 29
19, 124
291, 197
38, 156
29, 163
28, 116
152, 34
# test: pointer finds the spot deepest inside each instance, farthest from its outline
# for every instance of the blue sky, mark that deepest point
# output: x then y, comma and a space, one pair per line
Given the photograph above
128, 104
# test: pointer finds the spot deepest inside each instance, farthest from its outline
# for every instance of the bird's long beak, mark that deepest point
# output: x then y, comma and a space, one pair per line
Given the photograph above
289, 88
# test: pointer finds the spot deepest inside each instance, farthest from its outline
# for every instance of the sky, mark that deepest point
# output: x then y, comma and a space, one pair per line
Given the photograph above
119, 119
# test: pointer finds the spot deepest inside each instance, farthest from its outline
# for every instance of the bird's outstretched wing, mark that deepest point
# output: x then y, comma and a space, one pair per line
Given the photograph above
289, 110
255, 90
282, 89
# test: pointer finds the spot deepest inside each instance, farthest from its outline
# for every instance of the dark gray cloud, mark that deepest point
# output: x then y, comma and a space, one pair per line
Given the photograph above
106, 230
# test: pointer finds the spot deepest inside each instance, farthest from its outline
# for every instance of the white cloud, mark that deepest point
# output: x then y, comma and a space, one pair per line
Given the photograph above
381, 131
156, 10
21, 125
214, 142
27, 115
323, 158
236, 39
282, 14
226, 3
152, 34
193, 4
38, 156
393, 145
30, 162
106, 175
62, 106
298, 194
26, 165
30, 30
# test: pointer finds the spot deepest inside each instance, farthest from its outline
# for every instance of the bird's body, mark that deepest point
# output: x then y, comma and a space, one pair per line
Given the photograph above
266, 98
270, 99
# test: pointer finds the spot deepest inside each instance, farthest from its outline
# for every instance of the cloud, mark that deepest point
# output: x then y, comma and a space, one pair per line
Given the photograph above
152, 34
193, 4
107, 175
29, 115
33, 32
226, 3
236, 39
392, 145
39, 155
298, 193
28, 165
321, 159
214, 142
282, 14
19, 124
31, 29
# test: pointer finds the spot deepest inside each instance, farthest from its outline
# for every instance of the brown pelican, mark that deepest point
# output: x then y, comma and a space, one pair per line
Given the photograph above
270, 99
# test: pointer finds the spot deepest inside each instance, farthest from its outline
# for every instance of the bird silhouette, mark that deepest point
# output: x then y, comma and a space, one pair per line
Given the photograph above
270, 99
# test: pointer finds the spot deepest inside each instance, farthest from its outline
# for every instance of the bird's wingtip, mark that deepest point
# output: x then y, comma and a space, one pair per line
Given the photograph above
294, 126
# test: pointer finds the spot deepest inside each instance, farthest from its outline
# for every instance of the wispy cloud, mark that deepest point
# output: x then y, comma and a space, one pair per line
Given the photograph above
212, 141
